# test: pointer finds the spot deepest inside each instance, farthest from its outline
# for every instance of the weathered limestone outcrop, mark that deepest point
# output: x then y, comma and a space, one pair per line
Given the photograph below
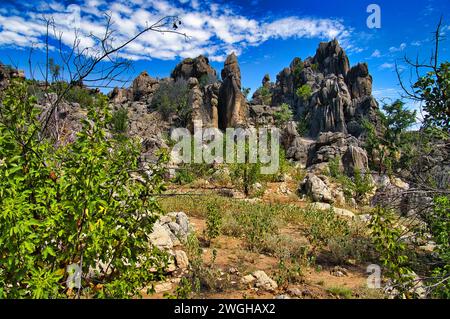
232, 106
338, 145
198, 68
143, 87
340, 96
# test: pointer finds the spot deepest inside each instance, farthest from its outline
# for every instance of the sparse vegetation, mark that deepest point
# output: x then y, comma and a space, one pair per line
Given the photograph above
283, 115
304, 92
171, 98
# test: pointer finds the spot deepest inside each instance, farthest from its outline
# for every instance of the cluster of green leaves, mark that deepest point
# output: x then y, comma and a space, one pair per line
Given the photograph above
386, 148
356, 186
386, 237
283, 115
304, 92
439, 221
171, 98
119, 121
265, 94
75, 94
81, 204
303, 124
213, 222
434, 91
246, 91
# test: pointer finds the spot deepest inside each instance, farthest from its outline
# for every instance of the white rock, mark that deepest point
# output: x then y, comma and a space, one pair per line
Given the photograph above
320, 206
161, 237
248, 279
263, 281
181, 259
162, 287
343, 212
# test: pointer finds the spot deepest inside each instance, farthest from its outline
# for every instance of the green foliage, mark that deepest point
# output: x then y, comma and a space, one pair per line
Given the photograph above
340, 292
54, 68
288, 272
183, 176
207, 79
440, 229
172, 98
304, 92
75, 94
303, 125
246, 91
79, 204
334, 167
283, 115
357, 186
386, 238
434, 90
315, 67
213, 222
298, 69
245, 175
119, 121
388, 147
265, 94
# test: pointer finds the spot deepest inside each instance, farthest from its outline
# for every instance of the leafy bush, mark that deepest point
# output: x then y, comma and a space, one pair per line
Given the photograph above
76, 94
334, 167
183, 176
283, 115
213, 222
265, 94
172, 98
357, 186
119, 121
77, 205
394, 139
387, 240
303, 125
304, 92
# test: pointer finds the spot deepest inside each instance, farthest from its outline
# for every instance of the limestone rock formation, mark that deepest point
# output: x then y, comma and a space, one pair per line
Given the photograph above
232, 106
316, 189
331, 58
340, 96
338, 145
143, 86
195, 68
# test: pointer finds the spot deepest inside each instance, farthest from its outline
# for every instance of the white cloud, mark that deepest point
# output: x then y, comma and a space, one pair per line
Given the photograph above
387, 66
213, 30
398, 49
376, 54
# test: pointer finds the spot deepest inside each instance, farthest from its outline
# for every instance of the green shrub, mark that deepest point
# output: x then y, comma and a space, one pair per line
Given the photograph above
207, 79
76, 205
283, 115
265, 94
334, 167
213, 222
303, 125
171, 98
304, 92
341, 292
183, 176
119, 121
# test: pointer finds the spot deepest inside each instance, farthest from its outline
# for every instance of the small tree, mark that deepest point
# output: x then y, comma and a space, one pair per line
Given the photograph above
304, 92
388, 147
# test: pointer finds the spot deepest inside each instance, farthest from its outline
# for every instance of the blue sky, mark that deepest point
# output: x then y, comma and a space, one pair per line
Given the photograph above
265, 34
